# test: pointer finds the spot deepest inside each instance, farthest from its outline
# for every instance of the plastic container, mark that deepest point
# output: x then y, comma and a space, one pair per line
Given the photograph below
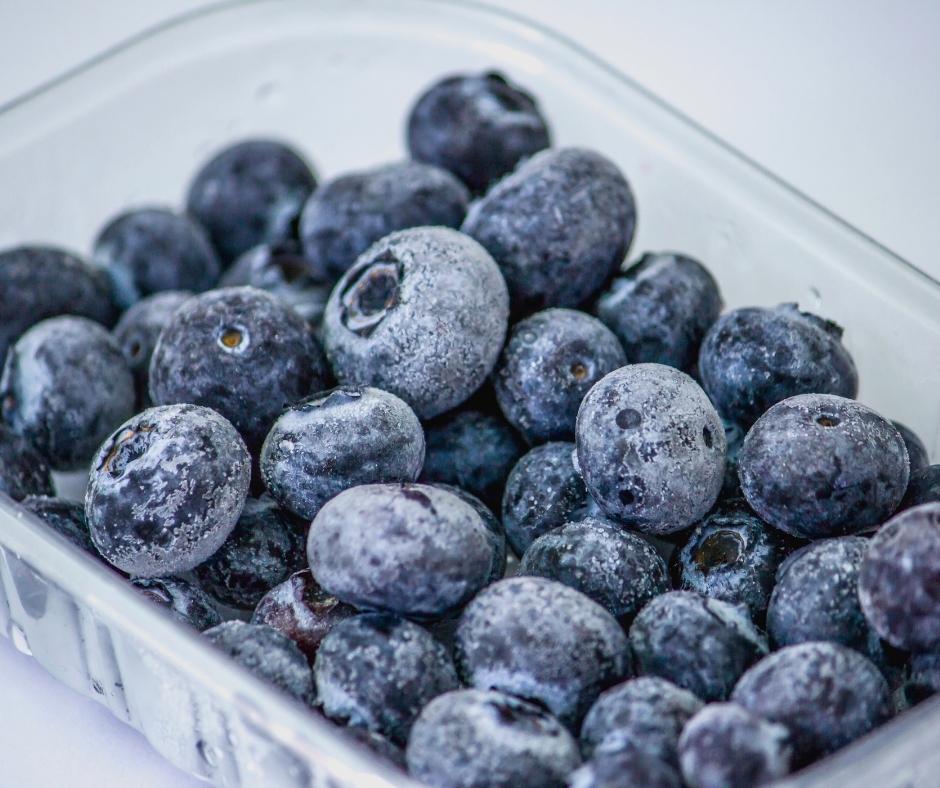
336, 78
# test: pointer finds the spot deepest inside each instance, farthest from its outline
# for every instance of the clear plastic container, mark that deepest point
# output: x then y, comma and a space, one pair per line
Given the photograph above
336, 78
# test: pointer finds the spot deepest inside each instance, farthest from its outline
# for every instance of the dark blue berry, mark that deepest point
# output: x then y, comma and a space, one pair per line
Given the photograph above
923, 487
23, 470
66, 518
625, 767
734, 438
184, 601
916, 450
924, 679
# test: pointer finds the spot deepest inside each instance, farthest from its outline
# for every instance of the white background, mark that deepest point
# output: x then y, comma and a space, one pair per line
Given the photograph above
839, 98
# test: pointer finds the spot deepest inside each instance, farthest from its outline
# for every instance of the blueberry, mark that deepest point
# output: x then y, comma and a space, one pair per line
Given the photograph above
378, 745
615, 568
924, 679
240, 351
923, 487
473, 738
543, 491
494, 529
626, 767
336, 440
268, 654
478, 127
348, 214
651, 448
23, 471
421, 314
411, 549
916, 450
542, 641
250, 193
734, 438
818, 465
166, 490
66, 518
660, 308
698, 643
753, 358
725, 745
187, 603
825, 694
558, 226
549, 363
65, 386
377, 671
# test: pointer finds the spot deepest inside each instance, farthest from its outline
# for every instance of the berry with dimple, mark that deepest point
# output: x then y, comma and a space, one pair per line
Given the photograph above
186, 602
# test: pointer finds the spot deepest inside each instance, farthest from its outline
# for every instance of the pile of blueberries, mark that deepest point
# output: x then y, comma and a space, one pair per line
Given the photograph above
416, 446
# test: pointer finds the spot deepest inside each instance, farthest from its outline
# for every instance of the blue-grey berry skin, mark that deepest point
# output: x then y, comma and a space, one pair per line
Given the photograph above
151, 250
348, 214
916, 450
23, 470
544, 641
549, 363
645, 713
377, 671
923, 487
819, 465
186, 602
474, 738
651, 448
377, 744
544, 490
166, 489
268, 654
725, 745
734, 438
698, 643
422, 314
410, 549
250, 193
660, 308
825, 694
558, 227
336, 440
477, 126
615, 568
752, 358
240, 351
65, 386
66, 518
625, 767
494, 529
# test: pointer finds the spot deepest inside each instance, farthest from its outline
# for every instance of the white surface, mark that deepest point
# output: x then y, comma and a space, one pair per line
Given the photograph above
837, 98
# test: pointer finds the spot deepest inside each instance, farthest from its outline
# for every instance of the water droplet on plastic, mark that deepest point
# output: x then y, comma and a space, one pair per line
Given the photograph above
18, 636
207, 752
268, 92
815, 298
96, 686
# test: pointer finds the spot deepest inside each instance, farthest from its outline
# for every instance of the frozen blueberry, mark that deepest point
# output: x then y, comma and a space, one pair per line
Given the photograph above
421, 314
725, 745
166, 490
651, 448
476, 126
549, 363
23, 471
734, 438
250, 193
150, 250
625, 767
543, 491
377, 671
268, 654
66, 518
65, 386
558, 227
542, 641
378, 745
240, 351
916, 450
348, 214
660, 308
923, 487
825, 694
924, 679
495, 532
187, 603
818, 465
753, 358
411, 549
616, 569
698, 643
475, 738
336, 440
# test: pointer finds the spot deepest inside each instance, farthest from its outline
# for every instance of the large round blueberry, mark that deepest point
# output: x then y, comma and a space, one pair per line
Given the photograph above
473, 738
623, 767
186, 602
421, 314
916, 450
494, 530
818, 465
923, 487
336, 440
752, 358
543, 641
250, 193
549, 363
166, 490
558, 226
660, 308
240, 351
66, 518
377, 671
698, 643
411, 549
23, 470
478, 127
651, 448
65, 386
